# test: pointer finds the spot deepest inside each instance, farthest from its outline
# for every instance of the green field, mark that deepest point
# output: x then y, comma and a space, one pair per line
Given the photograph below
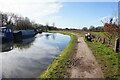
58, 68
101, 34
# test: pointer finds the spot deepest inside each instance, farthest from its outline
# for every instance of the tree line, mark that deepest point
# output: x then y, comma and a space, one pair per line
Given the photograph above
17, 22
94, 29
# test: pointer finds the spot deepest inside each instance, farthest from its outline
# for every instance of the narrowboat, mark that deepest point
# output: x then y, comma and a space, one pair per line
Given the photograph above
6, 34
23, 34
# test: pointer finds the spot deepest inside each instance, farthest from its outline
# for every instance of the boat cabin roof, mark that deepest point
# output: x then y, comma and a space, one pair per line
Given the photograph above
4, 27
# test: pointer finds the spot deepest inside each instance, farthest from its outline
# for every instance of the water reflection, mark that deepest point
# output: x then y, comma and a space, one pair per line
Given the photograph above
50, 35
26, 43
7, 46
30, 59
53, 36
47, 36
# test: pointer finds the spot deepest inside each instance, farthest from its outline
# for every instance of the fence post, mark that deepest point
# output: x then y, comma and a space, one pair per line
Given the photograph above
99, 39
109, 42
116, 48
103, 40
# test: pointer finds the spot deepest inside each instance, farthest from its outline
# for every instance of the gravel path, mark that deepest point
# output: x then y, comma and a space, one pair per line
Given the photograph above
84, 64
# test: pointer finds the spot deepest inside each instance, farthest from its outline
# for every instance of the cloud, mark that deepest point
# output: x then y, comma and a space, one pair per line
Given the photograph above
34, 9
88, 0
56, 17
105, 17
114, 18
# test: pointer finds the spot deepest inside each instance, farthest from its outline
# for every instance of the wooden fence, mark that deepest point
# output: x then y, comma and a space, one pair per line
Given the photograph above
114, 43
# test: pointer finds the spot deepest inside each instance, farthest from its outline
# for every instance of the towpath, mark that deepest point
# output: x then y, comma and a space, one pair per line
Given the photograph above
84, 64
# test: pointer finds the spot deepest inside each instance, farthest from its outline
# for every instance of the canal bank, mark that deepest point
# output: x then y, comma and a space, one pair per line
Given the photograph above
59, 66
79, 64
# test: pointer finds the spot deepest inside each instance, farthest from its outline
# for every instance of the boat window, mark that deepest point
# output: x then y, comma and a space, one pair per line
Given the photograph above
7, 30
4, 30
10, 30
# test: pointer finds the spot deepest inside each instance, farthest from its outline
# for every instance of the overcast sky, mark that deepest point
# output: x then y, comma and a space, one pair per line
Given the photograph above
65, 13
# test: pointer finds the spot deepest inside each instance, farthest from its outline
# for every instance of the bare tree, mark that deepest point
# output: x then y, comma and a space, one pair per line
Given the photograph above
7, 19
85, 29
92, 28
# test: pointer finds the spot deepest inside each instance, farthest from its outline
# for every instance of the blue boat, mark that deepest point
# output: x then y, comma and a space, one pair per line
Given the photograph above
6, 34
23, 34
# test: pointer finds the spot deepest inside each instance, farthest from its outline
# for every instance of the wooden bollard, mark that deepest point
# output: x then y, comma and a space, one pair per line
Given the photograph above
99, 39
108, 41
116, 48
103, 40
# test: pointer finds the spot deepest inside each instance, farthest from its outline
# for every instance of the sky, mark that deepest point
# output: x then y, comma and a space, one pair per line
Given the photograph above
64, 13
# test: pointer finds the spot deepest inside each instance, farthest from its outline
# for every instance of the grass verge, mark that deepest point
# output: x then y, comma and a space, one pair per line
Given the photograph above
58, 68
107, 59
101, 34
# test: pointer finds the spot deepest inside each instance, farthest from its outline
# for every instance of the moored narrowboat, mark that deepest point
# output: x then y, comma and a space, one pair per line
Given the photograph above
23, 34
6, 34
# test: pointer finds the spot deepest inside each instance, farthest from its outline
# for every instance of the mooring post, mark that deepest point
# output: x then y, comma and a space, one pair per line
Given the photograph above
103, 40
116, 48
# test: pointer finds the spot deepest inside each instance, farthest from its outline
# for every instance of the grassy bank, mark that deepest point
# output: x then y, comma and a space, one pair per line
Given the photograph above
101, 34
107, 59
58, 68
80, 33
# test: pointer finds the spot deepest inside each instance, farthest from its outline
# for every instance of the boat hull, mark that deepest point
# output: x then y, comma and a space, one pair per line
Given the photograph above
23, 34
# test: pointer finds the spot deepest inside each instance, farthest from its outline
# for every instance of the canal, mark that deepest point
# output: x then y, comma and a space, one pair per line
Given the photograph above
30, 57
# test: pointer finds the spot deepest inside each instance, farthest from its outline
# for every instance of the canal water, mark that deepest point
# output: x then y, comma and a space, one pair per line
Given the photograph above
29, 58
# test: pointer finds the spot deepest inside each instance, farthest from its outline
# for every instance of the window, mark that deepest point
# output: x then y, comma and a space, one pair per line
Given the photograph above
10, 30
